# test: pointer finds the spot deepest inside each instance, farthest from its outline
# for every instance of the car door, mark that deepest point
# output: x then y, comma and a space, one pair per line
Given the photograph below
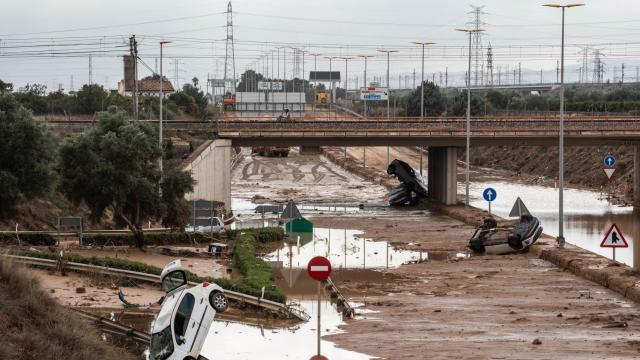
181, 322
201, 319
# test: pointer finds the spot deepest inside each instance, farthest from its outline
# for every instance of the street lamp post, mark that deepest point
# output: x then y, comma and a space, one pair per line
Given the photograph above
466, 169
389, 94
162, 43
560, 239
331, 84
315, 78
422, 44
346, 86
364, 111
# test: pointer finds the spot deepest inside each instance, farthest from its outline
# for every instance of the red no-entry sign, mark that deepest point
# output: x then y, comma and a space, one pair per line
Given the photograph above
319, 268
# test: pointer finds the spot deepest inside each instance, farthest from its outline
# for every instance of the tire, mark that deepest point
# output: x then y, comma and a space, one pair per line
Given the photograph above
218, 301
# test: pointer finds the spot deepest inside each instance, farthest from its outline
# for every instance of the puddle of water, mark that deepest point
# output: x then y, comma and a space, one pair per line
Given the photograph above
230, 341
346, 250
587, 217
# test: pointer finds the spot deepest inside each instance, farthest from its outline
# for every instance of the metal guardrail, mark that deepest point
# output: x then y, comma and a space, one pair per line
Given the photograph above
117, 328
232, 295
348, 310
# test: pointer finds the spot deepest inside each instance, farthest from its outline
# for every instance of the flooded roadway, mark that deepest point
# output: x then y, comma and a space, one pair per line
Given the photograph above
587, 216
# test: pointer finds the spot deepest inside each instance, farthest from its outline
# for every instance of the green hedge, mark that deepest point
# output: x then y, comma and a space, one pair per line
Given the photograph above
262, 235
167, 238
257, 273
34, 239
242, 286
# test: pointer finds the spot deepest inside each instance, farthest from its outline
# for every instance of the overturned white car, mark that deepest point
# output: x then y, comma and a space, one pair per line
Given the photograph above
182, 325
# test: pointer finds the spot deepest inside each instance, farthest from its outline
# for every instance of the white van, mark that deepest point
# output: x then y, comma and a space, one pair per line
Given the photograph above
181, 327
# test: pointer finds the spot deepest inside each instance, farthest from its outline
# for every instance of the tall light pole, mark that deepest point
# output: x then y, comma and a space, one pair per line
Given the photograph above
422, 44
315, 78
389, 93
331, 84
560, 239
466, 168
162, 43
364, 111
346, 86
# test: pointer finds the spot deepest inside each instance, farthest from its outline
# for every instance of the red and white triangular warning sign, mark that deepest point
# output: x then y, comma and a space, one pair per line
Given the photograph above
609, 172
614, 238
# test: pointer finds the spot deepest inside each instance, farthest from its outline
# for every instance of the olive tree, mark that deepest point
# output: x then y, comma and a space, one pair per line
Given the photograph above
114, 168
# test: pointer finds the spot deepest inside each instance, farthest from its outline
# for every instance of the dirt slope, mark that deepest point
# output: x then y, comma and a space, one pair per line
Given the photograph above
34, 326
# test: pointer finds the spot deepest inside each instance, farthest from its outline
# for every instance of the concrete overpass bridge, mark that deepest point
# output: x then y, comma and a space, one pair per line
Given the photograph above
442, 136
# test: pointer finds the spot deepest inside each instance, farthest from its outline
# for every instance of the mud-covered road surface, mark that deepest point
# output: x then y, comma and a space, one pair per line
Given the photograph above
303, 178
480, 307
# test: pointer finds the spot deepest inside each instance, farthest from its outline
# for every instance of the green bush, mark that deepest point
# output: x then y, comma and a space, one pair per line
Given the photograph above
34, 239
262, 235
257, 273
171, 238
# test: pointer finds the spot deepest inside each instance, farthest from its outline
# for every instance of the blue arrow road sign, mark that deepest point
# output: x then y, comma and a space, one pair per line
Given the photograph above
609, 161
489, 194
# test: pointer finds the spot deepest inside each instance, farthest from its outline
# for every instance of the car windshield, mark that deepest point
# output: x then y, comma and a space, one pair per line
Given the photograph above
173, 280
161, 345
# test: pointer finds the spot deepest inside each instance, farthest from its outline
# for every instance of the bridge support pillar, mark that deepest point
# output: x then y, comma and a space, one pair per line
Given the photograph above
210, 166
442, 174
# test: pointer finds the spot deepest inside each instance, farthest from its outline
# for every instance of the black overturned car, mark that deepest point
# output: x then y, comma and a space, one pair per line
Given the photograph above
519, 237
412, 188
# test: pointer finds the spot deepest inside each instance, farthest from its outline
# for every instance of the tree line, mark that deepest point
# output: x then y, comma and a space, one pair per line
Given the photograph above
583, 98
112, 169
189, 101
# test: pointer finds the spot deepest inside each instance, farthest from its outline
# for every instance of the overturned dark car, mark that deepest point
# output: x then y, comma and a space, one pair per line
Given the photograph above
412, 188
519, 237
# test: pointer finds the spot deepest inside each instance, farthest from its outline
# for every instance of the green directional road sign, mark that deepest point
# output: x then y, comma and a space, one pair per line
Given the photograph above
299, 225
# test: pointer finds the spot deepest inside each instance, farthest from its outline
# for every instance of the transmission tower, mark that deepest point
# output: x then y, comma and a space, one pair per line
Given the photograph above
598, 67
229, 56
490, 64
476, 23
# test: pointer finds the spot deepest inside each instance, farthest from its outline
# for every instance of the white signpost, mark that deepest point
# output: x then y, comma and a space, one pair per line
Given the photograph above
264, 85
374, 93
277, 86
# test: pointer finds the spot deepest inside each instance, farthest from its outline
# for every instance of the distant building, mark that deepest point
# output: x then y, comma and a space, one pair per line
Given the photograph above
149, 87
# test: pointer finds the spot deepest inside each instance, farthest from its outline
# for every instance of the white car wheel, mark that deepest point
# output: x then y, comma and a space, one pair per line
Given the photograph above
218, 301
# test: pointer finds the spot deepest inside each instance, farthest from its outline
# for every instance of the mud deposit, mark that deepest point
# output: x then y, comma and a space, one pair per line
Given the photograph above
303, 178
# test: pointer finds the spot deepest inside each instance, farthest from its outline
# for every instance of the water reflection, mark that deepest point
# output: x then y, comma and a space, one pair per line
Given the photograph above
345, 249
228, 340
587, 216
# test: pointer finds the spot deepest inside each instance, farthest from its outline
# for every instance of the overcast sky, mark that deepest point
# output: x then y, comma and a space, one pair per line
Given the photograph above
521, 32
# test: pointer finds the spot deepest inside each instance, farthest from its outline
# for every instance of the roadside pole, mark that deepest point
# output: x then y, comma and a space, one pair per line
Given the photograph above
319, 269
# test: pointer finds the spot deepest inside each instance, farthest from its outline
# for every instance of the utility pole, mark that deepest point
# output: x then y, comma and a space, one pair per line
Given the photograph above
133, 49
519, 74
389, 96
315, 78
90, 71
490, 64
422, 44
622, 81
162, 43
